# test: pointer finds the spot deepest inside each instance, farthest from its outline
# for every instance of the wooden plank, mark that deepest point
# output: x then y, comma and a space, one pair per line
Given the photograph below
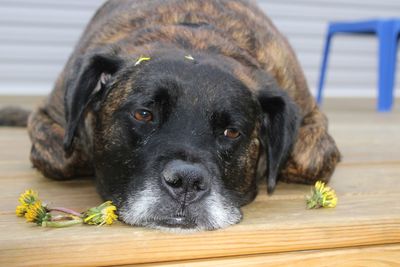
388, 255
277, 227
26, 101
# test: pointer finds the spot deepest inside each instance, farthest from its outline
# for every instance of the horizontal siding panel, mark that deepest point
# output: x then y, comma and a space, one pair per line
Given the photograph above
44, 16
341, 3
347, 62
41, 35
74, 4
340, 43
342, 80
33, 54
29, 87
337, 76
298, 10
29, 72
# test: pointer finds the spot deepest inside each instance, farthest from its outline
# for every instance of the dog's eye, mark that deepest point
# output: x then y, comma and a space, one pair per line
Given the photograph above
143, 115
232, 133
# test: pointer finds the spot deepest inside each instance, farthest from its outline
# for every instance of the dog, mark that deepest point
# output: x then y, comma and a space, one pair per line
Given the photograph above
178, 108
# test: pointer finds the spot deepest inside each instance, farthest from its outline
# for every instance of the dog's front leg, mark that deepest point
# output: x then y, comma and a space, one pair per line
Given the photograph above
47, 153
314, 155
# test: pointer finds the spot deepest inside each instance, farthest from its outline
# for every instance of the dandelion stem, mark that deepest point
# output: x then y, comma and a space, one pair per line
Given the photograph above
65, 210
64, 217
60, 224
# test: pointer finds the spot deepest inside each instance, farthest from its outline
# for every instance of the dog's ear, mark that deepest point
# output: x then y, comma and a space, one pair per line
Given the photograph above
84, 85
280, 123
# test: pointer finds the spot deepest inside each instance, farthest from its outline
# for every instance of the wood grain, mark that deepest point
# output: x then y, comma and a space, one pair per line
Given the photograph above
360, 256
277, 227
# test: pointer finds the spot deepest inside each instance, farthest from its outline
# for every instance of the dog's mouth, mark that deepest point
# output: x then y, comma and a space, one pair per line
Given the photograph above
182, 219
181, 222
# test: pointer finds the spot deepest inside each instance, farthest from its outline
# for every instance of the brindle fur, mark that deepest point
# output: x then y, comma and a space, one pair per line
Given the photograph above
14, 116
237, 29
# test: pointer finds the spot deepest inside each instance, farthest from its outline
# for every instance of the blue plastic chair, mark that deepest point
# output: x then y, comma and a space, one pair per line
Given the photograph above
387, 31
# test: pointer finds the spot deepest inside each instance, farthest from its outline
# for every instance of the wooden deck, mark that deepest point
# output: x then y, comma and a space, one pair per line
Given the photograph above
364, 229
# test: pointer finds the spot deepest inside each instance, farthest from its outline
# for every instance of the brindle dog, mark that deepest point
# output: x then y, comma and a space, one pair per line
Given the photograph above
177, 107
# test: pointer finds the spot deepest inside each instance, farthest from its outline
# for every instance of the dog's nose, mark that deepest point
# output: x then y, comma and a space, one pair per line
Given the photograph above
186, 182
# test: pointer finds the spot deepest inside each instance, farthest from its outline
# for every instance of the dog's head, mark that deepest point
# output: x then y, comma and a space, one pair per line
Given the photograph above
176, 140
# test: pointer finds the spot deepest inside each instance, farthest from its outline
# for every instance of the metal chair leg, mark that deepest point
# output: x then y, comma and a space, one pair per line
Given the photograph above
323, 67
387, 64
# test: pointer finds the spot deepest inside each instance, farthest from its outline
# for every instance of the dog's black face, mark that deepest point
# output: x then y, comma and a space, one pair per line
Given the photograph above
176, 141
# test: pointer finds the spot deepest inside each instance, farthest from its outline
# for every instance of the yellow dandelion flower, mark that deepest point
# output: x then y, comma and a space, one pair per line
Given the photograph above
28, 197
37, 213
109, 214
20, 210
141, 59
103, 214
329, 199
33, 210
322, 196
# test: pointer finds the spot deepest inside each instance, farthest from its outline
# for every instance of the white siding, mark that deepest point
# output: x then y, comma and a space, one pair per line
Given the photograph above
36, 39
37, 36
